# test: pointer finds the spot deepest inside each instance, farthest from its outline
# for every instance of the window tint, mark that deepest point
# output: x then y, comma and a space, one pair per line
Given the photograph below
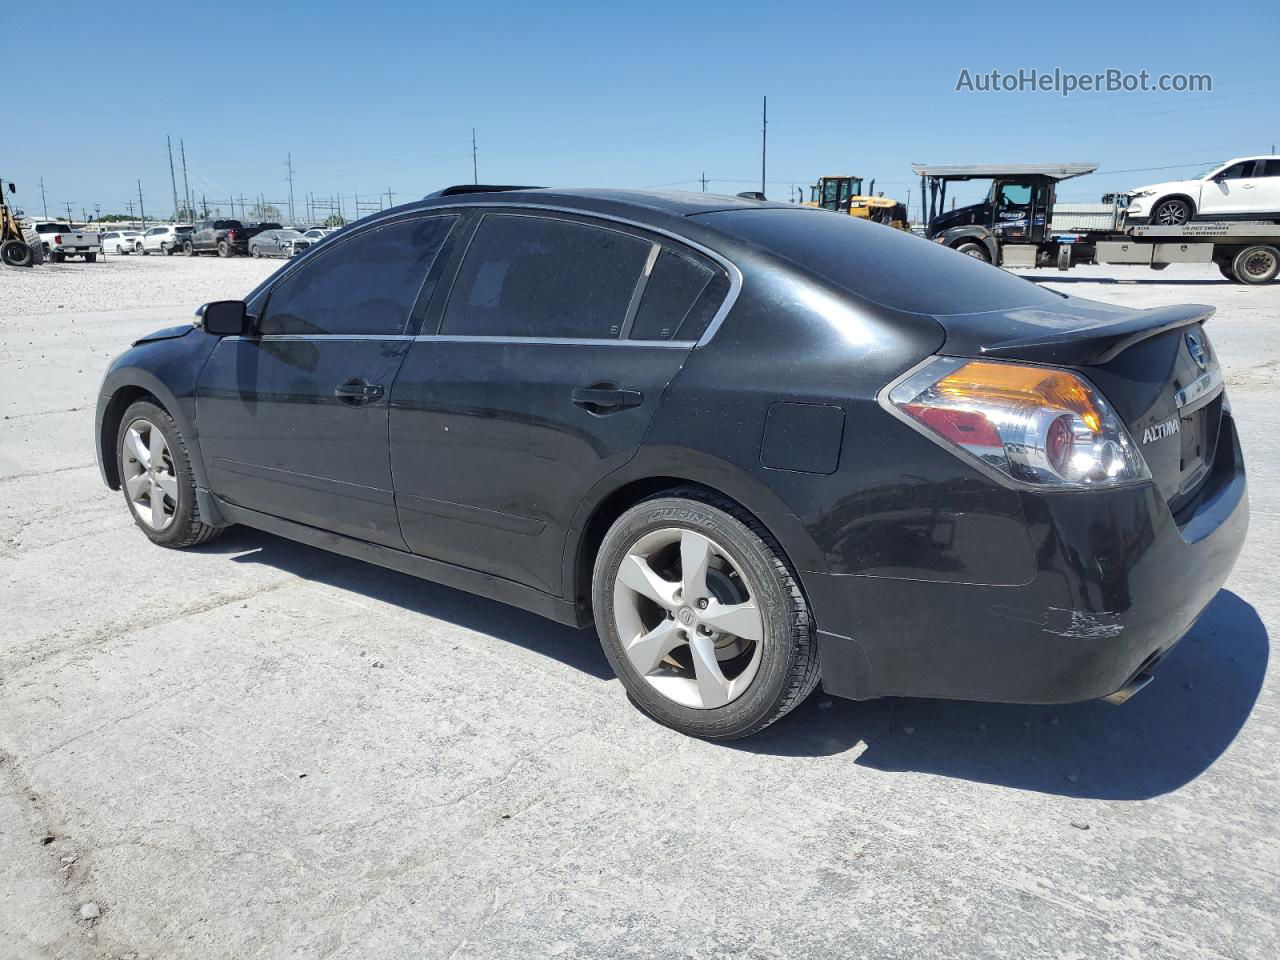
535, 277
1270, 168
366, 285
675, 284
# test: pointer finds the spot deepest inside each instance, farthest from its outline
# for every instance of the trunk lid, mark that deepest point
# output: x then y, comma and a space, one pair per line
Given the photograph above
1155, 367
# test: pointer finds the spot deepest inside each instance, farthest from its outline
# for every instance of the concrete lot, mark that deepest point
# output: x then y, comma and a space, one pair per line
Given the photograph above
257, 749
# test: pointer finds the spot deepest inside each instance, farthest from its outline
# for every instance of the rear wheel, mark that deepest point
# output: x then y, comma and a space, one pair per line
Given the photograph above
1256, 264
90, 258
188, 250
975, 250
57, 256
1224, 267
1171, 213
224, 248
702, 618
167, 249
155, 474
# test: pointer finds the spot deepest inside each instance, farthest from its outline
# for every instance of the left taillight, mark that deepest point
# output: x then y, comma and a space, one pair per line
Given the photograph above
57, 238
1036, 425
231, 234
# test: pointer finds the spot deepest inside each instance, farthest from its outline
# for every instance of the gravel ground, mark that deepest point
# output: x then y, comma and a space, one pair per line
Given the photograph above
119, 283
260, 749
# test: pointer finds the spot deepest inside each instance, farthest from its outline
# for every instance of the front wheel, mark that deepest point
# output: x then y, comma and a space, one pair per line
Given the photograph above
255, 252
155, 474
167, 250
140, 249
15, 253
1171, 213
701, 616
975, 250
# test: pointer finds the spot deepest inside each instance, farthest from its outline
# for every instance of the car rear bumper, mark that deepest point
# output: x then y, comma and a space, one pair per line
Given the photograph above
1118, 582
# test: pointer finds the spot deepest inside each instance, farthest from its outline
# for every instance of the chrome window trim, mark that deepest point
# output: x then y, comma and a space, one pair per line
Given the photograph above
570, 341
735, 275
285, 337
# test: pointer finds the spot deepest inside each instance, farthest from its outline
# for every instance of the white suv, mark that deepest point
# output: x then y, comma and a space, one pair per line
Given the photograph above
1247, 188
166, 239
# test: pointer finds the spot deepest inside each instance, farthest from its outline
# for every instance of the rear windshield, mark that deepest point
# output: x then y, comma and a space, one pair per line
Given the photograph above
228, 225
52, 227
885, 266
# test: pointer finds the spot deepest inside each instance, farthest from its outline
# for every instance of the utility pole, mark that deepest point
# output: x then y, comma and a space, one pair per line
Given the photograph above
173, 180
764, 139
141, 209
67, 203
97, 212
475, 170
289, 164
205, 205
129, 203
186, 188
390, 198
43, 202
703, 180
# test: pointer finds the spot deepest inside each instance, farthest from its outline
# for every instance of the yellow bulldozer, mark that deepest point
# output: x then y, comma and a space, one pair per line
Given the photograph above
843, 194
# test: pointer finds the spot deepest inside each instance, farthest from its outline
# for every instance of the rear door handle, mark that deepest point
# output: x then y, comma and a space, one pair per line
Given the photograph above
358, 390
601, 397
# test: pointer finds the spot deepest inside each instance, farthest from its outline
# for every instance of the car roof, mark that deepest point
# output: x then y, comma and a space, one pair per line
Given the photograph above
675, 203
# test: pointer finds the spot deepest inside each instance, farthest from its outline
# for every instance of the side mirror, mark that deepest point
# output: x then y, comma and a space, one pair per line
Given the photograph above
13, 188
224, 318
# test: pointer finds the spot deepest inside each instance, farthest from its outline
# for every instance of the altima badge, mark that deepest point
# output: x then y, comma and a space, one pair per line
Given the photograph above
1161, 430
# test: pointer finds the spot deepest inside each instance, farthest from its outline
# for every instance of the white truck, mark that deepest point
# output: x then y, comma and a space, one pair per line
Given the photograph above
62, 240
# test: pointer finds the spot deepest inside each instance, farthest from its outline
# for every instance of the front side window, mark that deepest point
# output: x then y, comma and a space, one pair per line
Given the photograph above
1238, 171
526, 276
366, 286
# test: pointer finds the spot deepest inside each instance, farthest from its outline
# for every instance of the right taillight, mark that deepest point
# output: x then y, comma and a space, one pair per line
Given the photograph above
1035, 425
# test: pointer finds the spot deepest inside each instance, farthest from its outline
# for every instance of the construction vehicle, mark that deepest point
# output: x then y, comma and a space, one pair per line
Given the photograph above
843, 194
14, 251
1017, 226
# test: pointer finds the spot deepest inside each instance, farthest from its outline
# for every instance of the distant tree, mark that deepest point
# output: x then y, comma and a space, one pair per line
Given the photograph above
266, 212
335, 221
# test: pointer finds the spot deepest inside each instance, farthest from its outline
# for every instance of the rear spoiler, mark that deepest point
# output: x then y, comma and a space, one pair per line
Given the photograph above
1100, 343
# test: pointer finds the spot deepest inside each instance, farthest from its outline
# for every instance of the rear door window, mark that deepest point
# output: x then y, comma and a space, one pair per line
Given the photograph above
529, 276
366, 286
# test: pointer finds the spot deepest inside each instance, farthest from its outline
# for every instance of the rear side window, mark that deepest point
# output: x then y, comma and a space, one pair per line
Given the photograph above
879, 264
677, 284
537, 277
1270, 168
366, 286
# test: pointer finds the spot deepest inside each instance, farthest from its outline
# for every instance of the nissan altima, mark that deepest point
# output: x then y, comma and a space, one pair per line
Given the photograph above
759, 447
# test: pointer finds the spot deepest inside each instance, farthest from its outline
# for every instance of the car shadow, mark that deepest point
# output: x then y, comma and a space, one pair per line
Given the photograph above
1163, 738
573, 647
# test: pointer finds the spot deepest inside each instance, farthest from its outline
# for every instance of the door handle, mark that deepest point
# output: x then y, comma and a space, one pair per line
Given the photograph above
605, 397
358, 390
1247, 186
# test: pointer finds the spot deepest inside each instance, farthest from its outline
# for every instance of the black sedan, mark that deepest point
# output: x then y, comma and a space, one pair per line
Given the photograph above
758, 446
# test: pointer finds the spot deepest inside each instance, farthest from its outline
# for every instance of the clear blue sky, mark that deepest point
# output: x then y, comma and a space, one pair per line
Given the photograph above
372, 96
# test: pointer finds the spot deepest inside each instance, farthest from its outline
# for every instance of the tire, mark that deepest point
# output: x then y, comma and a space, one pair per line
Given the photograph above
15, 253
975, 250
188, 250
1173, 212
768, 674
90, 258
140, 249
178, 523
1257, 264
255, 252
121, 251
166, 250
224, 248
1225, 268
57, 256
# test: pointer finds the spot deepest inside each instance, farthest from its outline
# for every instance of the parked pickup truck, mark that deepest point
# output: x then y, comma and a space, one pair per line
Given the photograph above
226, 238
62, 240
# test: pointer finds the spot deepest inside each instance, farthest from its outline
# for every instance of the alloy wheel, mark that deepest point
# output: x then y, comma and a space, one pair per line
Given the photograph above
687, 618
1173, 215
149, 477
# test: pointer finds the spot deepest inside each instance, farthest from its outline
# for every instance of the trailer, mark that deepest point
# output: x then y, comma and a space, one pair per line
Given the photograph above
1014, 226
